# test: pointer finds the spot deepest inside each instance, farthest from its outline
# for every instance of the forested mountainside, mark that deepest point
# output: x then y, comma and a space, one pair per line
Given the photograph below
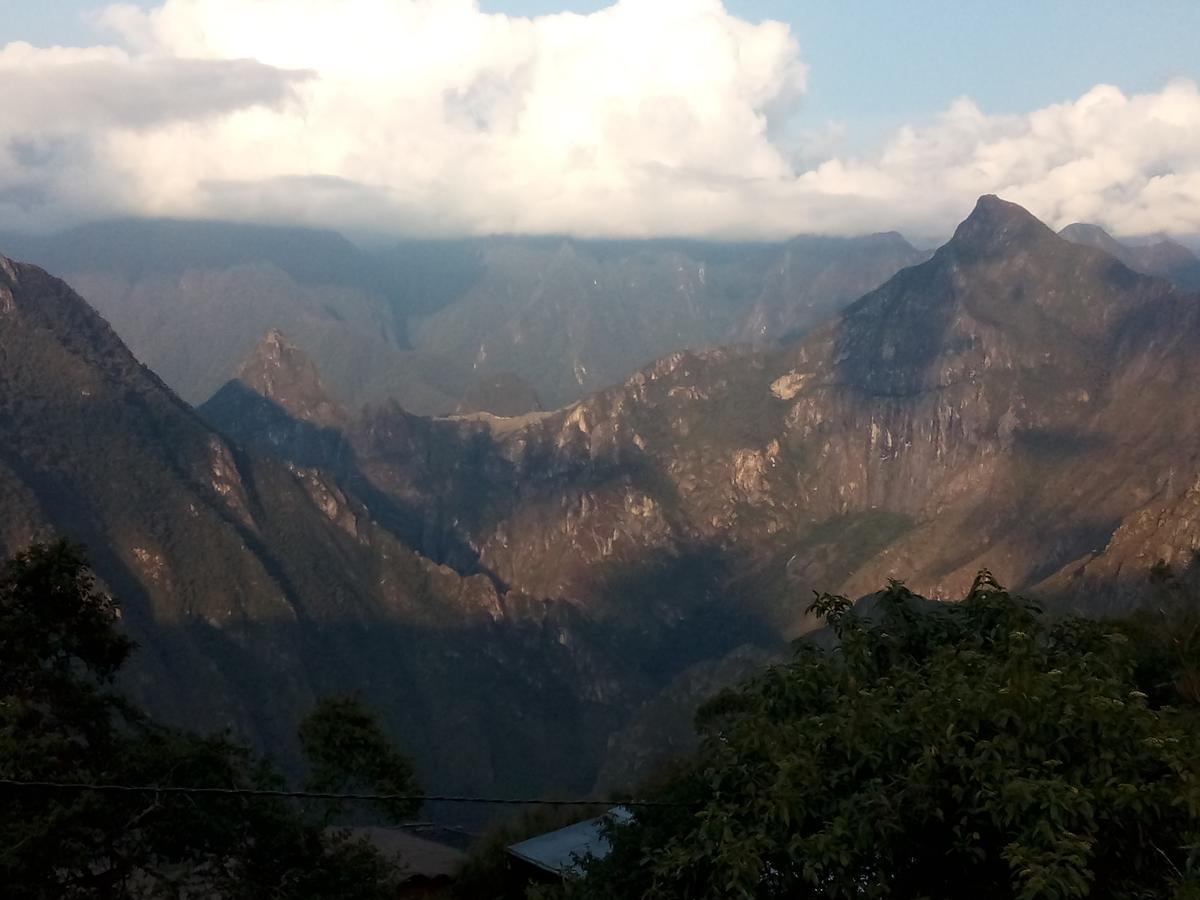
441, 326
514, 593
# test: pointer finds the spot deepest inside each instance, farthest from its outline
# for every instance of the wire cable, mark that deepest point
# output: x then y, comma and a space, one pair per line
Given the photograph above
323, 795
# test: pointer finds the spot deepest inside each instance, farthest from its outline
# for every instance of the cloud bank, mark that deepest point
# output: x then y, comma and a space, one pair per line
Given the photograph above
649, 117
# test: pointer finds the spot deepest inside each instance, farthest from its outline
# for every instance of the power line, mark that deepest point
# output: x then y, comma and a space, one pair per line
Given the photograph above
323, 795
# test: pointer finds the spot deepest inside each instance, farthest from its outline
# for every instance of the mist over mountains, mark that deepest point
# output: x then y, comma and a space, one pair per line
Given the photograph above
432, 323
523, 596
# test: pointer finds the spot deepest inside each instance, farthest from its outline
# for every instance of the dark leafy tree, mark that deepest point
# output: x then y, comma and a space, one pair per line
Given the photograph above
347, 751
978, 749
62, 721
1165, 632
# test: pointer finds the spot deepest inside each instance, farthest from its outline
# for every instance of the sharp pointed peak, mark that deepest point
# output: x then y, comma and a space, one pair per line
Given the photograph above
996, 224
280, 371
993, 210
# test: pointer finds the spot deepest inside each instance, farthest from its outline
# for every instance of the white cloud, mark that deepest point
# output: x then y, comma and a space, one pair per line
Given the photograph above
648, 117
1131, 163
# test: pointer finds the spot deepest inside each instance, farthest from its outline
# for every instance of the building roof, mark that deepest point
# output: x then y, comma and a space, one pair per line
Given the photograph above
560, 852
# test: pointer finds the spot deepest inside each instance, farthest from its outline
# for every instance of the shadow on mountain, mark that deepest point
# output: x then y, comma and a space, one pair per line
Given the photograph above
521, 705
499, 710
672, 611
261, 425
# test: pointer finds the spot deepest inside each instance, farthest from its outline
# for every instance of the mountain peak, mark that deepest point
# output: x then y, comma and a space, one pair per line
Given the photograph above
997, 225
283, 373
1087, 233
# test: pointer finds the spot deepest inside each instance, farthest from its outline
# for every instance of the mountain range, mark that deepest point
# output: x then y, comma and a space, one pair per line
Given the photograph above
524, 595
442, 326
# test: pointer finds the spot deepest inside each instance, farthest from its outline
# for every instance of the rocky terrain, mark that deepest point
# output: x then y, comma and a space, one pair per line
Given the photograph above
1001, 404
526, 596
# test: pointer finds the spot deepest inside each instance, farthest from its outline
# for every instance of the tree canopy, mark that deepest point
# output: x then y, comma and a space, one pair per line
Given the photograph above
62, 721
932, 750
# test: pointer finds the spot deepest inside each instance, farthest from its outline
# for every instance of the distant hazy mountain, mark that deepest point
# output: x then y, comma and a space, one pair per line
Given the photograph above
192, 298
1166, 258
440, 326
571, 317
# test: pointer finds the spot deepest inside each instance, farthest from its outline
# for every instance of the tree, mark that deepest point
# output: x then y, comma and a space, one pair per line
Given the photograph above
62, 721
347, 751
938, 750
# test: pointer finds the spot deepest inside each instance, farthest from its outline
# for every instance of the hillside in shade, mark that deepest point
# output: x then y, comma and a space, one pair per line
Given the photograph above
254, 586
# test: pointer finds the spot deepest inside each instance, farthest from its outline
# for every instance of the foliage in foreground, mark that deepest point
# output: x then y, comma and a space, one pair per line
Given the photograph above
61, 721
940, 750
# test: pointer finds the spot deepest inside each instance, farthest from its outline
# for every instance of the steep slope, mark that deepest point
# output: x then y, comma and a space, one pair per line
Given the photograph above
254, 586
280, 370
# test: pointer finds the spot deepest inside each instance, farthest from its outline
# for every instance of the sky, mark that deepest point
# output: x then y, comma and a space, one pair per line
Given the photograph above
749, 118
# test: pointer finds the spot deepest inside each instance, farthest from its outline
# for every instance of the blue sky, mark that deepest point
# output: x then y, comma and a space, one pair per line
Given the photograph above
876, 63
